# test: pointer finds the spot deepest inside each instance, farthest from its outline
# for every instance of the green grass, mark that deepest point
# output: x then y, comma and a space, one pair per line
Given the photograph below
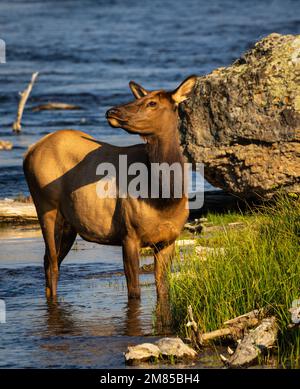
229, 217
261, 266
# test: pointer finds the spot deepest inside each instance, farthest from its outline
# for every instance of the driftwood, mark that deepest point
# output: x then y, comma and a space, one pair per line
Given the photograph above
253, 333
254, 343
5, 145
234, 328
55, 106
251, 319
15, 211
24, 97
200, 339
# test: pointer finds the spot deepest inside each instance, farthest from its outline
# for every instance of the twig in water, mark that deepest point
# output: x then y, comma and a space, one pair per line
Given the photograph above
24, 97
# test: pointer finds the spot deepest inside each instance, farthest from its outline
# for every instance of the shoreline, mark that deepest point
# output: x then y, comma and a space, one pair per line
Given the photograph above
23, 213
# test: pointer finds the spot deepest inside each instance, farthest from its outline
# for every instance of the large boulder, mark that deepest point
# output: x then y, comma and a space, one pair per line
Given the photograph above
243, 121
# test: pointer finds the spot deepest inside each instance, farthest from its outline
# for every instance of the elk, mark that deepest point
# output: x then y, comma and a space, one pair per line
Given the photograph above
60, 170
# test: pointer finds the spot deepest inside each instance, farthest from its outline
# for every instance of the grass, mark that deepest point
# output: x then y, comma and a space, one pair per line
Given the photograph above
260, 266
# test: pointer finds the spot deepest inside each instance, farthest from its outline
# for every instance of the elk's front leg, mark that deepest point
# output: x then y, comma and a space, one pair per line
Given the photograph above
131, 267
163, 259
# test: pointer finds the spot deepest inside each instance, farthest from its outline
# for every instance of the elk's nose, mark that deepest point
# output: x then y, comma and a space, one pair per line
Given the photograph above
112, 112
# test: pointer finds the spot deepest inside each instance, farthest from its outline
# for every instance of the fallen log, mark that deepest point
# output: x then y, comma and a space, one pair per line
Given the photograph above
15, 211
253, 332
235, 328
51, 106
24, 97
254, 344
200, 339
250, 318
5, 145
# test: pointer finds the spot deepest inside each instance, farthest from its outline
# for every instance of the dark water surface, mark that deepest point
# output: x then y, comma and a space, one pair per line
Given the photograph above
86, 52
90, 325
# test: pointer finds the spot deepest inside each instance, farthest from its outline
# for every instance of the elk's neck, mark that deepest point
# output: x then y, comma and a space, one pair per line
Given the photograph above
165, 148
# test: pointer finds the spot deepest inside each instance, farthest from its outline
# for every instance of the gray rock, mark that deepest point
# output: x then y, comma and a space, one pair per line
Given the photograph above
243, 121
174, 347
141, 353
163, 349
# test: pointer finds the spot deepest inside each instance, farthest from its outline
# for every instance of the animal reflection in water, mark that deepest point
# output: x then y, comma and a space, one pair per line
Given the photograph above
61, 174
61, 320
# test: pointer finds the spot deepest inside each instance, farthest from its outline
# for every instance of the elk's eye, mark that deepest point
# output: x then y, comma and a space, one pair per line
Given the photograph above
152, 104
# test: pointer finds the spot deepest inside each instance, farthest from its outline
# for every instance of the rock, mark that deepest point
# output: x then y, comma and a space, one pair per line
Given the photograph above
165, 348
243, 121
256, 342
175, 348
5, 145
141, 353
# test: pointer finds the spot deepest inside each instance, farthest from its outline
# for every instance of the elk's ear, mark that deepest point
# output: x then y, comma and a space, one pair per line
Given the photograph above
137, 90
185, 88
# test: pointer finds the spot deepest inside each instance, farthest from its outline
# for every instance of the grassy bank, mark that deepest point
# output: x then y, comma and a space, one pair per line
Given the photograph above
260, 266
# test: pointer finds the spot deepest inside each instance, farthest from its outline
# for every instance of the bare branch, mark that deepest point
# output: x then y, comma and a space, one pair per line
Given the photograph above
24, 97
234, 328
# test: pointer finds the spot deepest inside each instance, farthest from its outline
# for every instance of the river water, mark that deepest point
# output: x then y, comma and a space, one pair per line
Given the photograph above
86, 52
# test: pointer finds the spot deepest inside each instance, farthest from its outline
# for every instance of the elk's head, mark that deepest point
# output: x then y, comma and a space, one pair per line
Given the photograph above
153, 112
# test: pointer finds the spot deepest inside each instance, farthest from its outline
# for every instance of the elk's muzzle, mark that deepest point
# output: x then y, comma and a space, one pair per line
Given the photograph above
114, 117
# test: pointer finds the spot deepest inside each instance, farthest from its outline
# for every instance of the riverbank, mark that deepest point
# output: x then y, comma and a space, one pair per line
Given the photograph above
249, 267
21, 210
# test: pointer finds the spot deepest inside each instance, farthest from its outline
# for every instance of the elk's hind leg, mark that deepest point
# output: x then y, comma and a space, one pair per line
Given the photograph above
52, 226
59, 237
66, 242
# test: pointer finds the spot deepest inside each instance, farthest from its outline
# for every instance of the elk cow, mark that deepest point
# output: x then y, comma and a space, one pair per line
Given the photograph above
61, 174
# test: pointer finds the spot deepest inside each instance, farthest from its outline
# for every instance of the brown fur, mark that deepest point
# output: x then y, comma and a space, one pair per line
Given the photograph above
61, 173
